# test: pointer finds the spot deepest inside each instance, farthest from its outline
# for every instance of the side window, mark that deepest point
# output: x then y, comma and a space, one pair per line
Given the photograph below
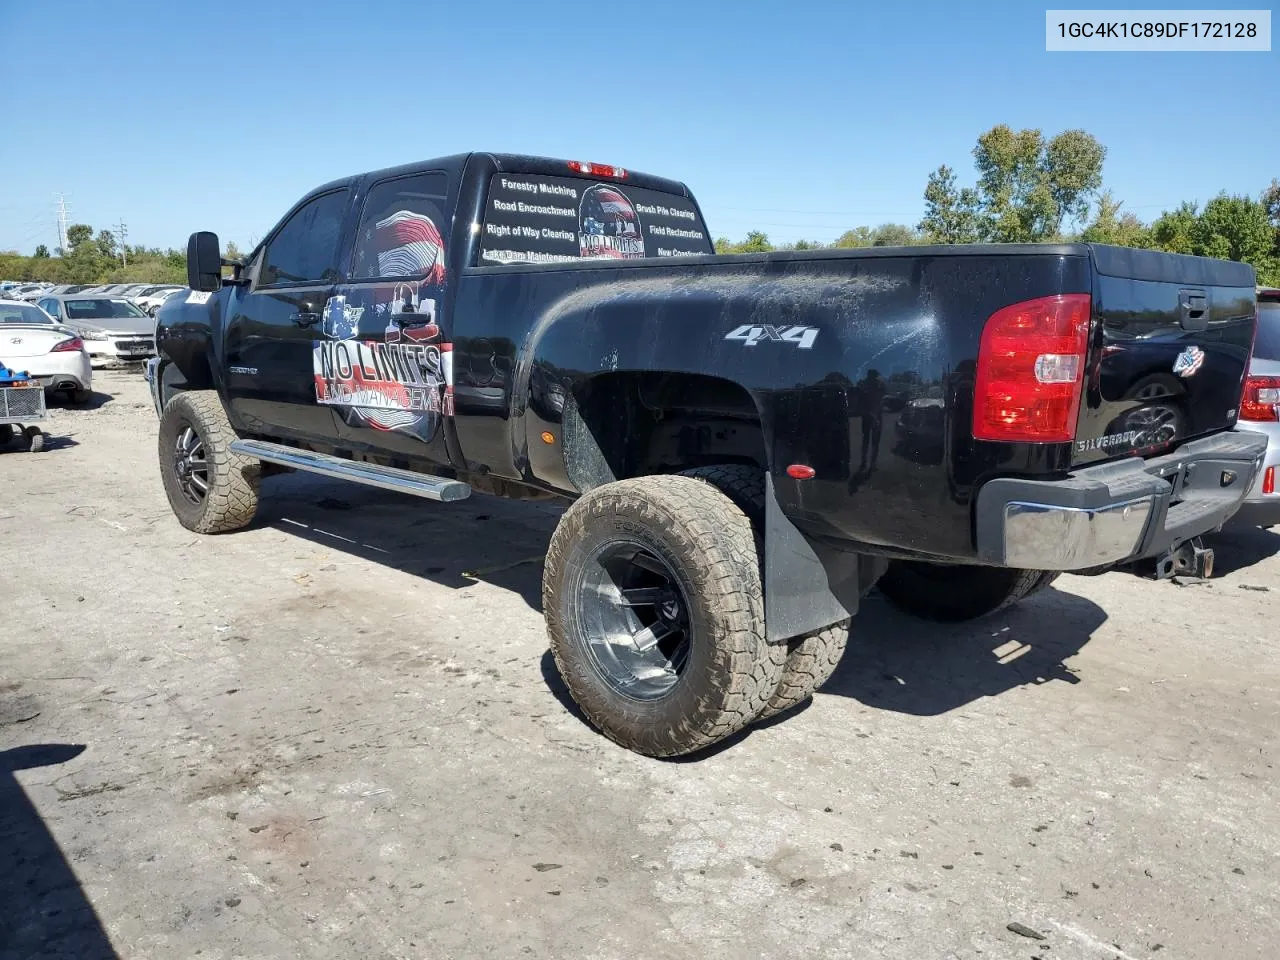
305, 250
403, 231
50, 307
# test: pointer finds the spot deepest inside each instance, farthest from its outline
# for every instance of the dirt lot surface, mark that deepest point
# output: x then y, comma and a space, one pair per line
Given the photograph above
338, 734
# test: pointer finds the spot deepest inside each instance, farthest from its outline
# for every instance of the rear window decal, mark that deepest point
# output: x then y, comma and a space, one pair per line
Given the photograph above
545, 219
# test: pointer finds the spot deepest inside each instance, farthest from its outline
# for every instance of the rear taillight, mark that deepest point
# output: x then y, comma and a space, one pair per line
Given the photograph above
1261, 400
1031, 370
73, 345
598, 169
1269, 481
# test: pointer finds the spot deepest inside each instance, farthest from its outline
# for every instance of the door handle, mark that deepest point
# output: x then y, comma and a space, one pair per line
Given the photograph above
305, 319
1194, 306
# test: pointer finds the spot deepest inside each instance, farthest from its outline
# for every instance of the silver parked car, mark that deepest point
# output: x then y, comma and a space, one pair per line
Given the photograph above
1260, 412
113, 328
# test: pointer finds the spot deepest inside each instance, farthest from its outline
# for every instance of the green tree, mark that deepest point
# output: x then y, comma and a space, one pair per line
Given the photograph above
851, 239
1171, 232
83, 262
78, 234
42, 252
1237, 228
885, 235
106, 242
756, 242
950, 215
1028, 187
1271, 200
1111, 226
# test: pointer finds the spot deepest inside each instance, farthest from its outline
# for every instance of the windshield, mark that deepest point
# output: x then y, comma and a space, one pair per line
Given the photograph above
22, 313
1267, 344
100, 309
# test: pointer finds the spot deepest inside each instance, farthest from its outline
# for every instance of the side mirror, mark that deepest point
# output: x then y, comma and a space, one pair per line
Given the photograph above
204, 262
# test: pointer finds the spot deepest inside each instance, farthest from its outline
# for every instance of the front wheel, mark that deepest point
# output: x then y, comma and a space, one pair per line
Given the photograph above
654, 608
210, 489
954, 593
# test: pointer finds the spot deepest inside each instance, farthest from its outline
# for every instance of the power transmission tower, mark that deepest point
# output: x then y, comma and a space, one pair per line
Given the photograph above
122, 231
63, 212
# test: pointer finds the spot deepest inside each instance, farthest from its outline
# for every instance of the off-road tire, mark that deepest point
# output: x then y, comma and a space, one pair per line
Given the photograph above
955, 593
731, 670
811, 660
233, 480
812, 657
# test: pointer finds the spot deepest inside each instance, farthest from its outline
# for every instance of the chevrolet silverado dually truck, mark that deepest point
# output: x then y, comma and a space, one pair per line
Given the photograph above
747, 443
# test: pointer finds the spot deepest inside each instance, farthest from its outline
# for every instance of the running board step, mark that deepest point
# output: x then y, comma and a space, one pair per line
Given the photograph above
370, 474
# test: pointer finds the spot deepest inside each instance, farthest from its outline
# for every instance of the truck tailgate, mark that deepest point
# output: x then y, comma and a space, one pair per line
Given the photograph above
1168, 353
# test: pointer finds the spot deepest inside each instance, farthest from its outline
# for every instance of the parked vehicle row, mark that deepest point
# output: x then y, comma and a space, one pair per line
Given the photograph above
147, 296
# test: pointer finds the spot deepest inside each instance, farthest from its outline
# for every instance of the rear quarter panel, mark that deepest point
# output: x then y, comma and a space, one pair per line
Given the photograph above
880, 405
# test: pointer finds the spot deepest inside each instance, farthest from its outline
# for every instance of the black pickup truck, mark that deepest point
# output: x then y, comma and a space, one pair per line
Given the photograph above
749, 442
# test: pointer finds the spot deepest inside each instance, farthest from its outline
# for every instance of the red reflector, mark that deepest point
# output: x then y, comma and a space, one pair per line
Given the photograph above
1269, 480
73, 345
1261, 400
1031, 370
801, 471
597, 169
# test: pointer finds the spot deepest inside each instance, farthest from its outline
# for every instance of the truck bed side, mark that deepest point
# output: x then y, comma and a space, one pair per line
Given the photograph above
638, 367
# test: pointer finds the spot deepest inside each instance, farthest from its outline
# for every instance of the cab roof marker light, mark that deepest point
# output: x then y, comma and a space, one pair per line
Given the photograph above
597, 169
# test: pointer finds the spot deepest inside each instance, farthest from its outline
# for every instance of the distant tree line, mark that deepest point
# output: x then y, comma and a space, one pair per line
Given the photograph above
1035, 190
97, 258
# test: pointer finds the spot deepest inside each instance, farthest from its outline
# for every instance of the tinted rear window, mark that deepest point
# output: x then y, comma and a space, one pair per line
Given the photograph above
1267, 344
21, 313
541, 219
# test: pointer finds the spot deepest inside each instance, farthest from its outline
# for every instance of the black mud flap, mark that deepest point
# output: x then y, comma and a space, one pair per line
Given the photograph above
807, 585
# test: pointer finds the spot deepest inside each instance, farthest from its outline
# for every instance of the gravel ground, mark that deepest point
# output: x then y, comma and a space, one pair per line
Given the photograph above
339, 734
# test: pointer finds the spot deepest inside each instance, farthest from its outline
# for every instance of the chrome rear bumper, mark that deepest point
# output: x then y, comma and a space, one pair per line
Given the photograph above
1116, 512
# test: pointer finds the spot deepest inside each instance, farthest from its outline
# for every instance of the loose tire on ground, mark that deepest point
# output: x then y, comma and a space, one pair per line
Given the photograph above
231, 481
812, 657
6, 433
719, 670
954, 593
79, 396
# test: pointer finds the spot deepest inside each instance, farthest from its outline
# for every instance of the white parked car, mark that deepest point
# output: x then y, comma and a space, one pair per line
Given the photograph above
112, 328
153, 298
31, 341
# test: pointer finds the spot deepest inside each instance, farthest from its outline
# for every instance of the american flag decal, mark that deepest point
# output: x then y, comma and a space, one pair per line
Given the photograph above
409, 245
616, 204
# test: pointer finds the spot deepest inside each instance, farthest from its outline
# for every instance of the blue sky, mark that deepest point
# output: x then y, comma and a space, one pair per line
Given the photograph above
801, 118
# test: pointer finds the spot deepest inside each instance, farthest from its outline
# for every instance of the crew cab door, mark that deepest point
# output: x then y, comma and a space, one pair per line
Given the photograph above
274, 322
384, 365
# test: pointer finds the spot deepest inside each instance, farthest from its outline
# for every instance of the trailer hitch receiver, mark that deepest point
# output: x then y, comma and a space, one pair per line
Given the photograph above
1191, 558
